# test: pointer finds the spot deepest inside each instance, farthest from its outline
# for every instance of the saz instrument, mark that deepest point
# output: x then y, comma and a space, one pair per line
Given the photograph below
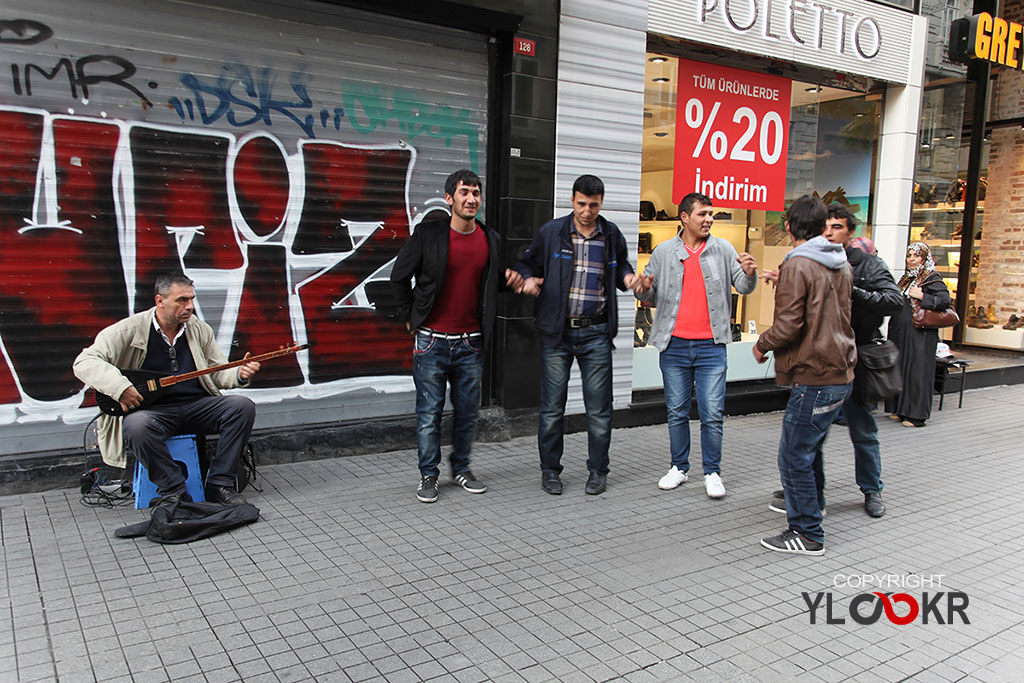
152, 385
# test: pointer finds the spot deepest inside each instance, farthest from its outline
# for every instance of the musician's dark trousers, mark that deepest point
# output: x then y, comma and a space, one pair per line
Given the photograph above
229, 416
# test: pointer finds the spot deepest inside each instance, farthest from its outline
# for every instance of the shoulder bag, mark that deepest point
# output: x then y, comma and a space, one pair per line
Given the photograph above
925, 318
877, 375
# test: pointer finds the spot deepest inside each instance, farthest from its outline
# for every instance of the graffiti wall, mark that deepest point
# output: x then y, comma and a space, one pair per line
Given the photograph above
281, 169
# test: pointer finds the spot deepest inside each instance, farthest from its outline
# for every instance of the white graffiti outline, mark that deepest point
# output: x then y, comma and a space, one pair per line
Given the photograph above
209, 281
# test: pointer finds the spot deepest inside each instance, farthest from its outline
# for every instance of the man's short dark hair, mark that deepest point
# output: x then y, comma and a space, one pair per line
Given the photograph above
466, 177
843, 213
164, 283
686, 206
589, 185
806, 217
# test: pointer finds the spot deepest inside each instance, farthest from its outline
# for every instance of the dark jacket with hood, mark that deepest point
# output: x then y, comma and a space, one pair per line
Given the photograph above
550, 256
425, 256
811, 334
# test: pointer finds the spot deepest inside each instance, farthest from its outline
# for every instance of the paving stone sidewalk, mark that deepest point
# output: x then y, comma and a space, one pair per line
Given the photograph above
348, 577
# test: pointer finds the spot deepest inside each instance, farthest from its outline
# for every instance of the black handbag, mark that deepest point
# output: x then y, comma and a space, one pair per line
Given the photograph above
878, 375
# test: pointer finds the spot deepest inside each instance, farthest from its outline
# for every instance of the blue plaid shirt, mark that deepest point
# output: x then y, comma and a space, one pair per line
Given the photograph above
586, 292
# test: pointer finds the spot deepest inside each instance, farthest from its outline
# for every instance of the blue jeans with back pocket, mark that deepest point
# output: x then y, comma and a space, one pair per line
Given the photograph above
809, 414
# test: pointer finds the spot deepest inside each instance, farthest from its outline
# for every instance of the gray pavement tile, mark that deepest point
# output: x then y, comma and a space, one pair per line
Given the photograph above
599, 578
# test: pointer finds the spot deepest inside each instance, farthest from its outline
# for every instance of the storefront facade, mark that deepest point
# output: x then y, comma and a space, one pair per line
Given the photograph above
279, 154
969, 161
755, 104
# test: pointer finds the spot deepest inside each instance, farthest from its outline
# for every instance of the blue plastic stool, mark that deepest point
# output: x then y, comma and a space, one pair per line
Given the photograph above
183, 451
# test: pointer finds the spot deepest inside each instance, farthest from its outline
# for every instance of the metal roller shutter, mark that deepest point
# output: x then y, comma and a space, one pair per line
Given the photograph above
278, 153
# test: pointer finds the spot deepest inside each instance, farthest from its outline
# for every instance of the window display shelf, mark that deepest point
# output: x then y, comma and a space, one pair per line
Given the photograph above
995, 337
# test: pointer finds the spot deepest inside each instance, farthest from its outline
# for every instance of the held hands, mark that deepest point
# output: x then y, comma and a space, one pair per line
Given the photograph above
130, 399
247, 370
758, 356
639, 283
770, 277
747, 263
531, 286
513, 280
915, 292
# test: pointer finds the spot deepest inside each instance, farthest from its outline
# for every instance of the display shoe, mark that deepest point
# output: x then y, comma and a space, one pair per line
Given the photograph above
972, 312
990, 314
958, 231
1011, 324
979, 320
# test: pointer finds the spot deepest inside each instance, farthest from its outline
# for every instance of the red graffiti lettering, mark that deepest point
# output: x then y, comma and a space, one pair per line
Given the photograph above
87, 223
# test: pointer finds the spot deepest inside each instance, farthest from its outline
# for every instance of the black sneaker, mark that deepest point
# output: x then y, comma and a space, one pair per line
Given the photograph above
426, 492
467, 481
780, 506
779, 493
790, 541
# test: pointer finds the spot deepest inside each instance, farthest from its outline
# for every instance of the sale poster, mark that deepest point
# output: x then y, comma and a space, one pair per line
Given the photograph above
732, 136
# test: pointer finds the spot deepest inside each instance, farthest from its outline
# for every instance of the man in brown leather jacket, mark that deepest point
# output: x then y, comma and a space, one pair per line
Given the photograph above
815, 351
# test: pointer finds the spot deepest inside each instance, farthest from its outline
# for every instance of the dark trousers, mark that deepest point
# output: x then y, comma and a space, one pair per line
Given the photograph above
229, 416
592, 349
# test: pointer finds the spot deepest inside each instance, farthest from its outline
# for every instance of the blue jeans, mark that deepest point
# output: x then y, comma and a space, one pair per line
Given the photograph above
867, 454
460, 363
809, 414
593, 351
687, 364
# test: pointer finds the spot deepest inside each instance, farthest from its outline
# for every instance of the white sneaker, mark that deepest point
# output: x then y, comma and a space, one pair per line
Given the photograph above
713, 483
674, 478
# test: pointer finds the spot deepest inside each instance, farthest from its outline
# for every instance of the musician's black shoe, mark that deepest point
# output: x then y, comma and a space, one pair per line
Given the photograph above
169, 500
223, 495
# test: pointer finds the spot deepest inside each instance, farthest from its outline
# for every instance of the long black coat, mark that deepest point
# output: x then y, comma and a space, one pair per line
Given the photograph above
917, 352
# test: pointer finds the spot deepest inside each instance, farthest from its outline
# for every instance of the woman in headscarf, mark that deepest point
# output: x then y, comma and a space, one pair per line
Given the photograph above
921, 286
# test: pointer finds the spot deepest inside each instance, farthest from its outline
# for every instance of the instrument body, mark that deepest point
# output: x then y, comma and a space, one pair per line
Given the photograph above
152, 385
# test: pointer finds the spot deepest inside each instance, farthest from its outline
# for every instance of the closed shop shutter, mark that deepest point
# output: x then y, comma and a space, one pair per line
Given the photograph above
278, 153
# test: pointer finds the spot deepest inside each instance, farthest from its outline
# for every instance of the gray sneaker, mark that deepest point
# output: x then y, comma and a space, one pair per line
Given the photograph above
426, 492
467, 481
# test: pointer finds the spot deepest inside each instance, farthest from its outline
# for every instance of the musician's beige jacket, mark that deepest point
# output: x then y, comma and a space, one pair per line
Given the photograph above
123, 345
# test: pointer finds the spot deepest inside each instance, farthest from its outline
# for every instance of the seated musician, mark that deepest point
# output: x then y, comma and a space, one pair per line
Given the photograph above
167, 339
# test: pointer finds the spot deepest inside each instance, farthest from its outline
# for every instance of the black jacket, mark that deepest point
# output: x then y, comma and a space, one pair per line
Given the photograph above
875, 295
425, 256
550, 256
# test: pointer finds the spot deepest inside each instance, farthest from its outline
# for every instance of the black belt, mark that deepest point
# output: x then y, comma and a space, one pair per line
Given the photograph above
576, 323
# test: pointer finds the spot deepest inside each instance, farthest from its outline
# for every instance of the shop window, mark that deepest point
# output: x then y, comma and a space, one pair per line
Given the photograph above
831, 150
940, 184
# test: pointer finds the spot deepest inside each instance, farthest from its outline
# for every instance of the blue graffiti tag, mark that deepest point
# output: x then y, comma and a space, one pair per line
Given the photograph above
242, 97
372, 107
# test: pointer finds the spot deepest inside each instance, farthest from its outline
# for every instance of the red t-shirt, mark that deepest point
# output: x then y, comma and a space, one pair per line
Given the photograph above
693, 320
457, 307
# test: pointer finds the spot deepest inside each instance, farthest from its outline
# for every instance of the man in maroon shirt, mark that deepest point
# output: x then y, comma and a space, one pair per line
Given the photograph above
450, 311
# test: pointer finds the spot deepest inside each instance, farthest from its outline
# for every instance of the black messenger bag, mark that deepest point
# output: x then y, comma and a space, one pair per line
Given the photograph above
877, 375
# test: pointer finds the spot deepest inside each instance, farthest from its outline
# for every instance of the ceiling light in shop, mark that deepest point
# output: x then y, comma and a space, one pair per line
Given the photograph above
660, 79
658, 60
813, 88
660, 134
